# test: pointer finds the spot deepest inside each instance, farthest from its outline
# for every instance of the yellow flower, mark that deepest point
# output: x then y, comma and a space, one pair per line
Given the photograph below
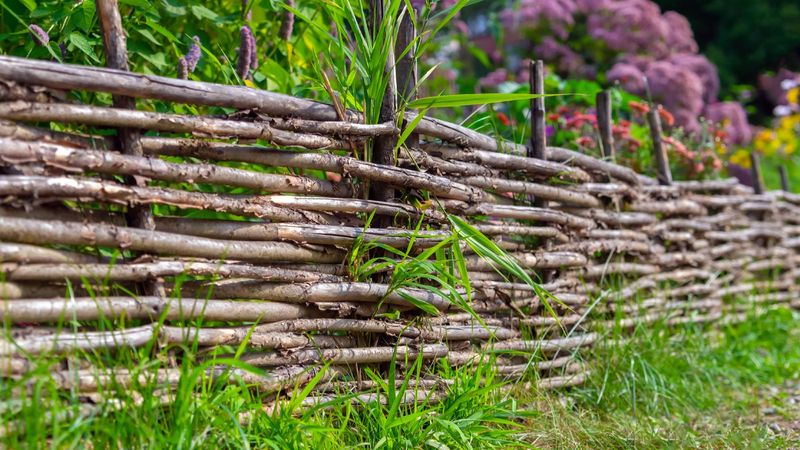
793, 96
741, 157
767, 142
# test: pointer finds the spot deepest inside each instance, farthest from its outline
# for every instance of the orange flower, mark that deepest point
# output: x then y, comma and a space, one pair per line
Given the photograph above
666, 116
553, 117
638, 107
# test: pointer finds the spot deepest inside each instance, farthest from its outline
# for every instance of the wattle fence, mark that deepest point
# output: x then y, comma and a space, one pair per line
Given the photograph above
128, 236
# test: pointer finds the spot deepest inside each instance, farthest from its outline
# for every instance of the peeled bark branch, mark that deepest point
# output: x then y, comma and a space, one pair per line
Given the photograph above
158, 269
72, 233
15, 152
149, 308
56, 188
174, 123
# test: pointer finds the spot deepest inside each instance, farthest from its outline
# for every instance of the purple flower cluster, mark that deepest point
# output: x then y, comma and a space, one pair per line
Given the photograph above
248, 58
630, 26
557, 14
193, 55
733, 118
492, 79
567, 61
187, 63
287, 26
635, 39
39, 35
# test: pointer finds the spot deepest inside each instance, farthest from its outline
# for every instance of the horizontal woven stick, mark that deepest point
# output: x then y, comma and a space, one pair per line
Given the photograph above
66, 158
597, 166
511, 229
396, 176
18, 131
250, 231
332, 128
149, 308
543, 260
108, 379
98, 79
532, 166
32, 254
345, 387
323, 292
610, 190
519, 212
421, 161
305, 233
680, 225
669, 207
546, 346
521, 369
173, 123
159, 242
725, 185
746, 235
157, 269
56, 188
622, 219
606, 246
599, 271
537, 190
675, 260
718, 201
140, 336
629, 235
344, 356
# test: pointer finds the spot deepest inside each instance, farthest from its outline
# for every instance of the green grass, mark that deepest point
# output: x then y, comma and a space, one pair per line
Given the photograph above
662, 388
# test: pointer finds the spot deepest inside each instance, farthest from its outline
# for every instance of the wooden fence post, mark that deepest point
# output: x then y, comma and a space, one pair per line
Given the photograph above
383, 146
128, 139
664, 174
604, 121
407, 67
538, 144
755, 173
784, 178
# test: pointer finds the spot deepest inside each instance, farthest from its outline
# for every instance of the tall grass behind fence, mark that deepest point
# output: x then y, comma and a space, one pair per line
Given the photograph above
257, 235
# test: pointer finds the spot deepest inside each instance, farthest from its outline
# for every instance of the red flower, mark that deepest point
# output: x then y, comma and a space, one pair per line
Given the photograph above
503, 119
553, 117
585, 141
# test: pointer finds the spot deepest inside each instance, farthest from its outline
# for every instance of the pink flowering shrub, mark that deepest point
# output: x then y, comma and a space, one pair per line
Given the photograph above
631, 41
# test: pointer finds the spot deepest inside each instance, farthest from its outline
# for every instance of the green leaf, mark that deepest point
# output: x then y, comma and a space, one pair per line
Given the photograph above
147, 34
161, 30
173, 9
30, 4
456, 100
137, 3
82, 43
201, 12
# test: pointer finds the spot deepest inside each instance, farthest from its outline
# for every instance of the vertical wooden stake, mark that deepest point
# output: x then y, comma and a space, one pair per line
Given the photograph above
538, 145
128, 139
407, 66
383, 146
755, 173
784, 179
664, 174
604, 122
